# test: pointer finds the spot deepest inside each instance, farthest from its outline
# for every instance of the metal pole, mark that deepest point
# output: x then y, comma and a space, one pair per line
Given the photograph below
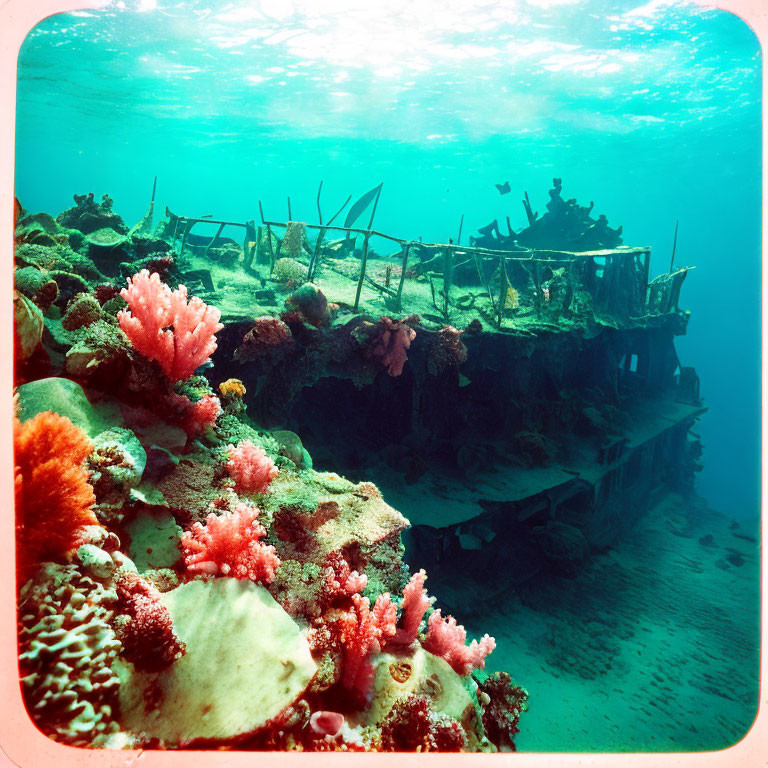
216, 237
447, 278
461, 226
271, 250
406, 250
333, 218
319, 213
290, 218
189, 226
313, 262
362, 272
674, 247
375, 204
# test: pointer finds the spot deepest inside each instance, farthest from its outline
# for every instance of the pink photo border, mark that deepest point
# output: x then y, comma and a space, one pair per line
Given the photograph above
22, 744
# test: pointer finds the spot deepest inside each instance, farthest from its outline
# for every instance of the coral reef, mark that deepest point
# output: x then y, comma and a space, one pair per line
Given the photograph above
446, 350
310, 302
267, 335
289, 272
87, 216
294, 239
187, 577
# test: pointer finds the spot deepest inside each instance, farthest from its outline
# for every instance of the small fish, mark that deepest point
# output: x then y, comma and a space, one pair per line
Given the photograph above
503, 188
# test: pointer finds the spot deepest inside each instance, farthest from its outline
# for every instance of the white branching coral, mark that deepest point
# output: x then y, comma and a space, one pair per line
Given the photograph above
66, 652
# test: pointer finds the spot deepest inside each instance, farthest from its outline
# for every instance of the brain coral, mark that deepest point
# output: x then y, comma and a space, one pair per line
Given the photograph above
66, 652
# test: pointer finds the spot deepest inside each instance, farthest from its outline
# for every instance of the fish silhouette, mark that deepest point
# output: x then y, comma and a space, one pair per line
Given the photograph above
503, 188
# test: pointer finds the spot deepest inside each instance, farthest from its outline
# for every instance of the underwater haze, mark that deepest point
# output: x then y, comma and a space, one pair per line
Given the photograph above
652, 112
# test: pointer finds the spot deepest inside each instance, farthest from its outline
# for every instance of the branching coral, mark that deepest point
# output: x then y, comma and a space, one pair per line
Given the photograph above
362, 632
414, 606
53, 497
66, 652
163, 326
250, 468
413, 726
147, 635
229, 545
351, 626
447, 639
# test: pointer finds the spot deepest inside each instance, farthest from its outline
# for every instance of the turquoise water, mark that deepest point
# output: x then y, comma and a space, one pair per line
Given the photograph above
652, 111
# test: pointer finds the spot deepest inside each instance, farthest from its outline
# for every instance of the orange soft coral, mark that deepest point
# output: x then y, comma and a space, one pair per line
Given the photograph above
53, 496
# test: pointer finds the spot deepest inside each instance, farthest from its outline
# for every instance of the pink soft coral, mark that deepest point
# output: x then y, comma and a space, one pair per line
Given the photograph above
362, 633
163, 326
447, 639
148, 639
193, 418
228, 545
389, 342
340, 580
250, 468
414, 606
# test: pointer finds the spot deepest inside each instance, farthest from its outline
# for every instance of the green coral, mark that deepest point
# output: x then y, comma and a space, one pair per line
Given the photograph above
67, 648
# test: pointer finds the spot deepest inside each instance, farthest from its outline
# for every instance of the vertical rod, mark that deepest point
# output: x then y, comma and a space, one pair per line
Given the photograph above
319, 212
406, 251
674, 247
216, 237
375, 204
461, 226
315, 260
154, 188
261, 212
502, 289
271, 249
362, 269
333, 218
447, 277
189, 226
647, 276
290, 218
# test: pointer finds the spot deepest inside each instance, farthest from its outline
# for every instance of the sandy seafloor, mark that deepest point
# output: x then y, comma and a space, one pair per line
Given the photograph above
653, 647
